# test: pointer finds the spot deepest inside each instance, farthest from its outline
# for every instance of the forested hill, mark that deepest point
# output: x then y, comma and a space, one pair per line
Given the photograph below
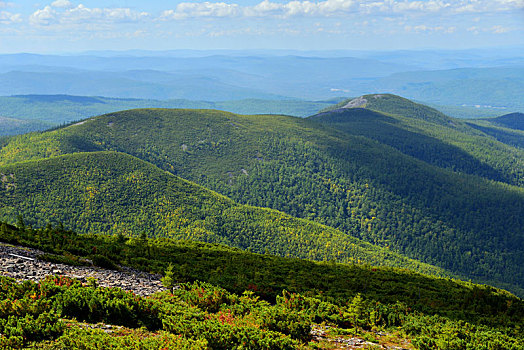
427, 134
512, 121
508, 128
392, 104
114, 193
355, 183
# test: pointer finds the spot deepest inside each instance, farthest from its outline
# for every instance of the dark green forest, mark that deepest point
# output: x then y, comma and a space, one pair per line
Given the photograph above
424, 185
511, 121
508, 128
116, 194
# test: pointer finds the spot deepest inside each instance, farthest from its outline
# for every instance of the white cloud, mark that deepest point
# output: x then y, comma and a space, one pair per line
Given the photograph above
80, 14
9, 18
474, 29
262, 9
435, 29
415, 16
325, 8
513, 3
500, 29
487, 6
422, 6
85, 14
62, 4
303, 8
471, 7
496, 29
44, 16
203, 9
331, 8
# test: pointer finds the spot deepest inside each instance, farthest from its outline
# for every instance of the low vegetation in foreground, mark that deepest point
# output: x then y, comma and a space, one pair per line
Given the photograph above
231, 299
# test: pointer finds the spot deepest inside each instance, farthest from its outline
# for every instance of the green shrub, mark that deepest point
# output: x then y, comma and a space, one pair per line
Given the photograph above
96, 339
111, 305
279, 319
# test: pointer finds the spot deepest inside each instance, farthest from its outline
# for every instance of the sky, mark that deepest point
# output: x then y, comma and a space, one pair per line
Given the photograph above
63, 26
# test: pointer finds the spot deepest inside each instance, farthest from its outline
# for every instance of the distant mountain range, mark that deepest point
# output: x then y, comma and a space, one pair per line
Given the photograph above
470, 78
44, 111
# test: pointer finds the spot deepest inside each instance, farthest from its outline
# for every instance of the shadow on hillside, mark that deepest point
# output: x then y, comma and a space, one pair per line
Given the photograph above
509, 138
388, 131
512, 121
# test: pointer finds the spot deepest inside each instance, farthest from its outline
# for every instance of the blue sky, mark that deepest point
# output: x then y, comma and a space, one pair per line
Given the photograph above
71, 26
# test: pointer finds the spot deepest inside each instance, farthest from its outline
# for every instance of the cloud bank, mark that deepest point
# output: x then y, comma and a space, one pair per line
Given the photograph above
282, 23
64, 11
338, 8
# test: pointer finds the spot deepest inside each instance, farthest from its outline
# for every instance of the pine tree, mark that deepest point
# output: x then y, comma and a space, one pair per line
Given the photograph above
168, 280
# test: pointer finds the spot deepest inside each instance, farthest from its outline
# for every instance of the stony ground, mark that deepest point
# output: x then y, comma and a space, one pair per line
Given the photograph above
22, 264
321, 334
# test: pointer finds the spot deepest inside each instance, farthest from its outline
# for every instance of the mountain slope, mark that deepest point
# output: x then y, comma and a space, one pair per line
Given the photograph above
508, 128
269, 275
113, 193
467, 224
511, 137
348, 299
512, 121
427, 134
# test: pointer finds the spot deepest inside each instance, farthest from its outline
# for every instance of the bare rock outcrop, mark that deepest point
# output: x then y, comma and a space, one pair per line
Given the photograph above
23, 264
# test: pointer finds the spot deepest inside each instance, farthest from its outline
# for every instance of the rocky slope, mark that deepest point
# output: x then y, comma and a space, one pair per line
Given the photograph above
23, 263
